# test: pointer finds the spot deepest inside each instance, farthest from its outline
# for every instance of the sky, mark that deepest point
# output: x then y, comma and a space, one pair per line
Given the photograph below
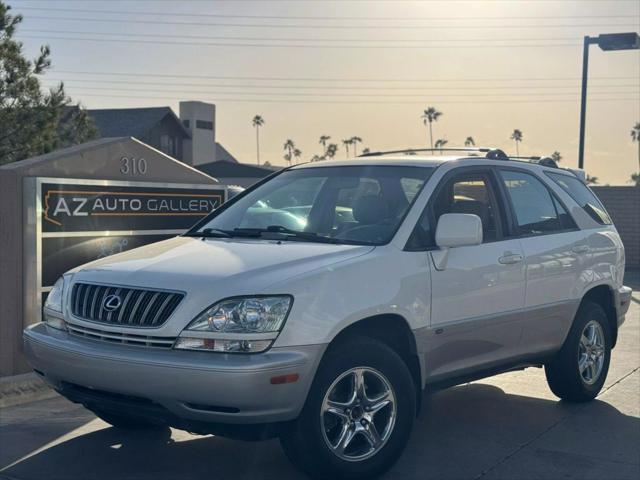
365, 68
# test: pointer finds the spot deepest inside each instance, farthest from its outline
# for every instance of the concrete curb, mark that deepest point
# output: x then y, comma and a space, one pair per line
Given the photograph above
21, 389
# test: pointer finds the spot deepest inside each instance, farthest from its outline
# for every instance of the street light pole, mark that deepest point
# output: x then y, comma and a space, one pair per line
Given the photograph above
607, 42
583, 98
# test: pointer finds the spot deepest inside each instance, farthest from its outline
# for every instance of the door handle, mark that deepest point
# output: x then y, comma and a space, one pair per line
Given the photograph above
510, 258
580, 249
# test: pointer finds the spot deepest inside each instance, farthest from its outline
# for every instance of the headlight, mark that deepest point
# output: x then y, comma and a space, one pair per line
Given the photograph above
245, 324
54, 299
244, 315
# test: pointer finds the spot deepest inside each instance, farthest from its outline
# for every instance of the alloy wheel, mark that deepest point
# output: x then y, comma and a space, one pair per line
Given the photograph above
591, 352
358, 414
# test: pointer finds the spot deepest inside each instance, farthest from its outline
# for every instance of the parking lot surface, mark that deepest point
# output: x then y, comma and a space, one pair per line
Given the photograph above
506, 427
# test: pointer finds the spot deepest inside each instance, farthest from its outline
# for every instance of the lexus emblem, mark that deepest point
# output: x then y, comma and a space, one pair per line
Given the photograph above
111, 303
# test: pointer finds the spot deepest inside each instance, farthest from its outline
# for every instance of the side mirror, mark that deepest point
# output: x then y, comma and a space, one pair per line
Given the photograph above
455, 230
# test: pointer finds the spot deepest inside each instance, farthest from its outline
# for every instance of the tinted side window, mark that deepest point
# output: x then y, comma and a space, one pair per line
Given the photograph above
534, 207
583, 196
470, 195
465, 193
565, 219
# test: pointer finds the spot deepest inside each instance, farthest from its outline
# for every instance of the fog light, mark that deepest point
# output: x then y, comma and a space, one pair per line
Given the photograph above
217, 345
55, 322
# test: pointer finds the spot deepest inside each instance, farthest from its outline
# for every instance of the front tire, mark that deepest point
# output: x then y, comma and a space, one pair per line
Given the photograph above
578, 372
358, 415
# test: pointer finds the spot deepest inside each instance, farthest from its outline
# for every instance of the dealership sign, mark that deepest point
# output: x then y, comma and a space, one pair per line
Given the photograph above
76, 221
87, 208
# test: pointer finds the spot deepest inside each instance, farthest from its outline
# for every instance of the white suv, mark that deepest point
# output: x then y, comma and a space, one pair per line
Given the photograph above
318, 305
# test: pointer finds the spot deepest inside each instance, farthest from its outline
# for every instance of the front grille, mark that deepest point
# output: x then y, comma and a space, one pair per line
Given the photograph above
122, 338
137, 307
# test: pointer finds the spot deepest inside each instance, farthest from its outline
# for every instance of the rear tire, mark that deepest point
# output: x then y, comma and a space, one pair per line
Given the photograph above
126, 422
579, 370
334, 411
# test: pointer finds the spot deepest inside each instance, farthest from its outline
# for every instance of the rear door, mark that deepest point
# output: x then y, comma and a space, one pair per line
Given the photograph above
554, 249
478, 298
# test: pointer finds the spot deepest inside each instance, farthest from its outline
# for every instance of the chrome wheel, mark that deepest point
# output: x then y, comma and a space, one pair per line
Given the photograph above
358, 414
591, 352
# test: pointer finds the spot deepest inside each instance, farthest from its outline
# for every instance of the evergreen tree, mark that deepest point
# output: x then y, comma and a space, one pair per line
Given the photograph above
32, 121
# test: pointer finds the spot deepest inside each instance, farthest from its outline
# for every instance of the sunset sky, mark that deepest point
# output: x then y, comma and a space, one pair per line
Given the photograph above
357, 67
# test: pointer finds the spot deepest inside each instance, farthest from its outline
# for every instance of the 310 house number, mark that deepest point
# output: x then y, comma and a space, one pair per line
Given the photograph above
133, 166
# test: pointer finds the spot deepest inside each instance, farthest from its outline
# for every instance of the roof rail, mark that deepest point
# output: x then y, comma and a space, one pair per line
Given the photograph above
490, 154
411, 151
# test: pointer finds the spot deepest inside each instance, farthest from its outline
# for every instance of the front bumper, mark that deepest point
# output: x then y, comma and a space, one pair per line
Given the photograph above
623, 301
194, 386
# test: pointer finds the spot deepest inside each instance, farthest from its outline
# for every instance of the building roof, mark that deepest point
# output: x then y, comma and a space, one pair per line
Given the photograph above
223, 168
223, 154
131, 122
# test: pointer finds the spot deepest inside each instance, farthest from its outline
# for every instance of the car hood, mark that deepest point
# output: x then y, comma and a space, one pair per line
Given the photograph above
212, 269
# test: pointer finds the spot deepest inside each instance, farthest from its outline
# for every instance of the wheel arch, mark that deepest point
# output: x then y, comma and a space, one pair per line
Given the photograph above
604, 296
393, 330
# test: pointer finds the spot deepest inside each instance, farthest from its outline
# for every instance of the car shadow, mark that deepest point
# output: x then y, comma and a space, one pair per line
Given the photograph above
460, 433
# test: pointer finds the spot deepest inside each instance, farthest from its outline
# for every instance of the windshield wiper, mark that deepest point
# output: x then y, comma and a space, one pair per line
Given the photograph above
287, 233
210, 233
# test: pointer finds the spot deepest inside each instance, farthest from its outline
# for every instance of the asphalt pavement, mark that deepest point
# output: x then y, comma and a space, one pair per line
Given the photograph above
506, 427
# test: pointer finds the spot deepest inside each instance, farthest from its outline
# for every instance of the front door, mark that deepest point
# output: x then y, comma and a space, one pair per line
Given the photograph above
477, 299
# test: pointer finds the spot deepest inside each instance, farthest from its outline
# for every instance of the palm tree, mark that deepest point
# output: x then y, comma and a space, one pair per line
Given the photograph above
429, 116
323, 141
257, 122
296, 154
591, 180
469, 142
516, 136
346, 142
288, 147
635, 178
332, 149
354, 142
635, 136
555, 156
441, 142
316, 158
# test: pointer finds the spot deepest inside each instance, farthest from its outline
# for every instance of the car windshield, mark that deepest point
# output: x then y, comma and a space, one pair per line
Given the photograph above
351, 204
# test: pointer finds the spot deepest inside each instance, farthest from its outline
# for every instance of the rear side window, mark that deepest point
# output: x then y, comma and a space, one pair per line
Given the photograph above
535, 208
583, 196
